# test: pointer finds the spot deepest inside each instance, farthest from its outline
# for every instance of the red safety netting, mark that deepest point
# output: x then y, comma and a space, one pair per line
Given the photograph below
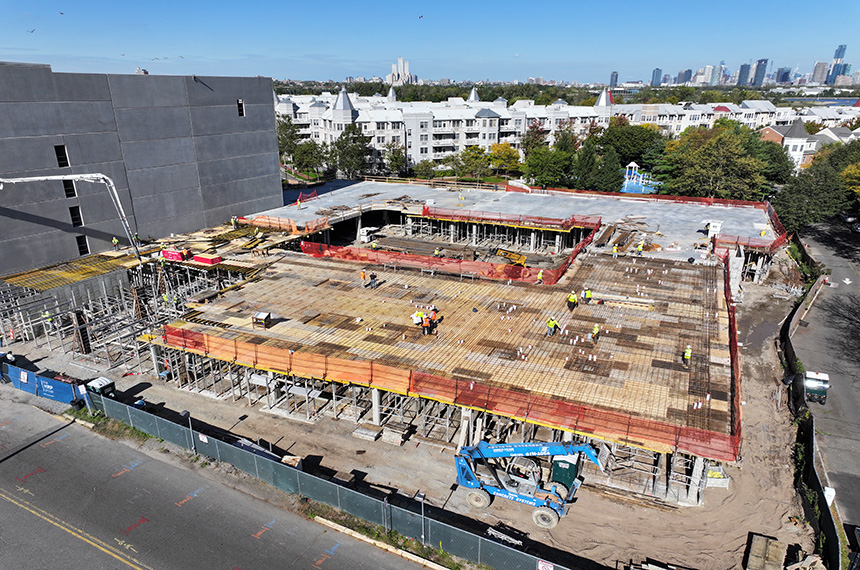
502, 271
309, 196
510, 219
520, 404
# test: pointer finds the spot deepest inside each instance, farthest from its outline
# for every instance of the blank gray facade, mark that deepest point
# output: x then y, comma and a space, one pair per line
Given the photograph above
184, 152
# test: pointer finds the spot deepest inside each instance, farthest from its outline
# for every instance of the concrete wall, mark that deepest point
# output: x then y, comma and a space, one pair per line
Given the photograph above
179, 153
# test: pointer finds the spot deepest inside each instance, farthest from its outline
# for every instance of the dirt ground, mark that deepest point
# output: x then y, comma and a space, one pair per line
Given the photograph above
601, 528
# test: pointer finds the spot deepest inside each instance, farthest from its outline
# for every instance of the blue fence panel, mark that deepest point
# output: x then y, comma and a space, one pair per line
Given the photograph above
55, 390
22, 379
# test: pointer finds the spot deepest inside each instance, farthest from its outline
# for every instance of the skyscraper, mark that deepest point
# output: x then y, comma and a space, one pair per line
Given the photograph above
819, 72
760, 72
656, 77
744, 75
613, 79
836, 66
783, 75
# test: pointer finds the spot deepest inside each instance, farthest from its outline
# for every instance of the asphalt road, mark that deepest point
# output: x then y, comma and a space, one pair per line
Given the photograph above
830, 343
71, 499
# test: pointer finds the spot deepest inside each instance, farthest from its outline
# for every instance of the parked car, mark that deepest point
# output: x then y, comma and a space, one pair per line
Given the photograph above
848, 217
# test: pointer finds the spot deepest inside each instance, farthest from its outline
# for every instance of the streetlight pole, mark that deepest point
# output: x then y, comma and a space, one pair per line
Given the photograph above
187, 414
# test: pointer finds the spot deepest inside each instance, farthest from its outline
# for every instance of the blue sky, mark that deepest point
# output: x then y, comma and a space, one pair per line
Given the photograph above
500, 40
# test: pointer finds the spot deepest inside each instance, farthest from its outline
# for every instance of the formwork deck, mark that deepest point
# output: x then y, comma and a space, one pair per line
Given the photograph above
654, 309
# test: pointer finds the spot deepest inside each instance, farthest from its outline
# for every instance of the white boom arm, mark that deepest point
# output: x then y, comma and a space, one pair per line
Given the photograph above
94, 178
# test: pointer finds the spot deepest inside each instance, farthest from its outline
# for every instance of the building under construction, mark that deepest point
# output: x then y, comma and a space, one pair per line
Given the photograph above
308, 311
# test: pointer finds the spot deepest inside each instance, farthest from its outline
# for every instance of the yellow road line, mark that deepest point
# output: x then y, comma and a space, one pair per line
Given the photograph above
59, 523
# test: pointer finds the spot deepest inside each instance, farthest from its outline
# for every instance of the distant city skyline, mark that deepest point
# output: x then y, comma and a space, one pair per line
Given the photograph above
439, 40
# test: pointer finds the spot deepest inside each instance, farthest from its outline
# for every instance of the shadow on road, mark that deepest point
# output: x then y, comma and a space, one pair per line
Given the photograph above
837, 237
843, 316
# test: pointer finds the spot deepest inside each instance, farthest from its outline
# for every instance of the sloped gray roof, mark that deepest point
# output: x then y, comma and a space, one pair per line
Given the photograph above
342, 103
797, 131
500, 100
486, 114
473, 95
559, 102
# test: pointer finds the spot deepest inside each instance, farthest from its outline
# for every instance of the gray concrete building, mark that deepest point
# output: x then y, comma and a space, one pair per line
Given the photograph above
184, 152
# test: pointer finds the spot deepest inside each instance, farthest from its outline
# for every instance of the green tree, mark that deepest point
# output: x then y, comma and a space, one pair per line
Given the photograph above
504, 157
818, 192
813, 127
630, 142
778, 166
586, 168
534, 137
455, 163
851, 178
288, 138
350, 151
610, 176
546, 167
426, 169
308, 156
565, 137
395, 158
711, 163
475, 162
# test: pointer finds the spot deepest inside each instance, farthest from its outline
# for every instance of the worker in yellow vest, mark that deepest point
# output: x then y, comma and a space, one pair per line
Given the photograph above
572, 301
586, 296
614, 252
688, 355
540, 277
595, 332
551, 326
115, 243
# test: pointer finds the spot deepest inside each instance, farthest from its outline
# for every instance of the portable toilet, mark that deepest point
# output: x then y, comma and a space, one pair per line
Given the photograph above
102, 386
815, 385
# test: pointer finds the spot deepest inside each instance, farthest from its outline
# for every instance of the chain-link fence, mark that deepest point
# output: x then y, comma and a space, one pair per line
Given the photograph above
407, 522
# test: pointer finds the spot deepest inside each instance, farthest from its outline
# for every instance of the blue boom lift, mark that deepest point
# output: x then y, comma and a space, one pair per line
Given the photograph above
512, 472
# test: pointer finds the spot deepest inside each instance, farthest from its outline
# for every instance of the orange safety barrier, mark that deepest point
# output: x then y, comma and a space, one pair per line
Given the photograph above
279, 224
316, 225
519, 404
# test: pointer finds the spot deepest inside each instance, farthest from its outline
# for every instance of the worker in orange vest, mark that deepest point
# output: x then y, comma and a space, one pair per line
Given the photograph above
425, 324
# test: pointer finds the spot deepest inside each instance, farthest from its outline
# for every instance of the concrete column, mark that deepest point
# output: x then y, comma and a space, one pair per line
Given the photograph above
557, 242
693, 496
465, 427
376, 406
452, 227
567, 436
155, 353
474, 234
533, 241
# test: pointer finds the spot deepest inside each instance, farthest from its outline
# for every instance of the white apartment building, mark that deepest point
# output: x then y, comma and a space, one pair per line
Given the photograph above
432, 131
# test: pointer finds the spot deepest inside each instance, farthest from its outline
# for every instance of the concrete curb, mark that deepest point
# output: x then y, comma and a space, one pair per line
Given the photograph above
387, 547
79, 421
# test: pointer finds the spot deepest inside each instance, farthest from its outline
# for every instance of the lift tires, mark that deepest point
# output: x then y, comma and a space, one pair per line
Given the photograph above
561, 489
479, 499
545, 517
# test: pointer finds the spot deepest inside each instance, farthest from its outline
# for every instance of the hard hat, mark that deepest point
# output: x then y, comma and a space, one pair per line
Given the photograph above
688, 346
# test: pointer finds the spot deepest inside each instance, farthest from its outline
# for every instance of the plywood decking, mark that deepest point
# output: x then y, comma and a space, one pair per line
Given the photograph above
654, 309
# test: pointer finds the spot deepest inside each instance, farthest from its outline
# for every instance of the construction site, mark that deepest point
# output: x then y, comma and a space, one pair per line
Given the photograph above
307, 311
